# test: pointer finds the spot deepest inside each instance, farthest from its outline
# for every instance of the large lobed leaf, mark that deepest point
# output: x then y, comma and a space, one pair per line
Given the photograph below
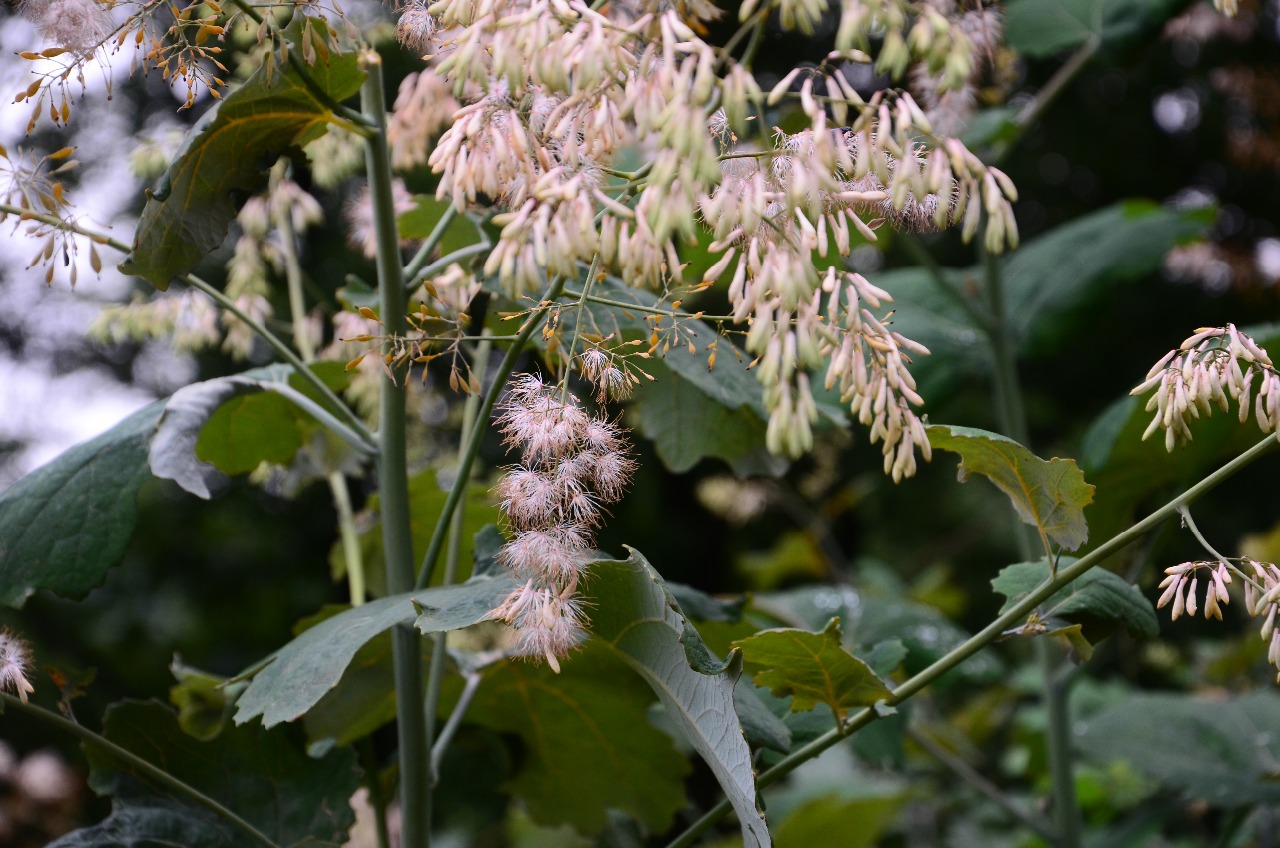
588, 745
1050, 495
1223, 751
1044, 27
1043, 281
230, 425
635, 615
64, 524
686, 426
263, 777
224, 156
690, 391
812, 668
298, 675
1097, 596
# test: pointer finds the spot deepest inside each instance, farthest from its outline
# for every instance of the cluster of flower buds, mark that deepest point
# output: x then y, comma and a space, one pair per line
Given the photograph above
1207, 371
558, 87
15, 663
1180, 587
1261, 594
572, 463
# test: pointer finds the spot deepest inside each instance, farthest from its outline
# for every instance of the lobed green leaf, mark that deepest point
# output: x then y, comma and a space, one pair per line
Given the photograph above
64, 524
1097, 596
224, 158
1050, 495
634, 614
812, 668
264, 777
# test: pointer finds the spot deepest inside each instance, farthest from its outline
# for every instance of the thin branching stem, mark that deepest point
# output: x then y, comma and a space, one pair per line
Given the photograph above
938, 277
532, 322
650, 310
459, 255
995, 630
144, 768
1056, 688
473, 680
439, 656
1190, 524
335, 404
433, 241
970, 775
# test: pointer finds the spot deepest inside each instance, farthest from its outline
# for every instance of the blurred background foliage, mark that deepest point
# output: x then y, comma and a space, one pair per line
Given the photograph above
1148, 188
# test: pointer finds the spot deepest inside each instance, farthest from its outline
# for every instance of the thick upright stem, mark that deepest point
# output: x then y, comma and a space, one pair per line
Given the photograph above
1056, 689
393, 479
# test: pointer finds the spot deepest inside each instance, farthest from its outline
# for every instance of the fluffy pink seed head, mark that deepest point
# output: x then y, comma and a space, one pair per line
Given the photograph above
15, 660
528, 498
602, 435
555, 555
611, 473
548, 624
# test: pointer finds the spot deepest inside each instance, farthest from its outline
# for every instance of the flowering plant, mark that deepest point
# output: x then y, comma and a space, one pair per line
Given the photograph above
654, 225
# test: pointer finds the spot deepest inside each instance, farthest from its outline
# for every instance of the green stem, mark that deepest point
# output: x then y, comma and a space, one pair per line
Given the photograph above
577, 321
433, 240
340, 409
532, 323
338, 490
439, 647
135, 762
938, 277
989, 634
393, 478
360, 123
748, 28
971, 776
1055, 688
473, 680
638, 307
322, 415
1057, 705
445, 261
349, 536
292, 269
1057, 84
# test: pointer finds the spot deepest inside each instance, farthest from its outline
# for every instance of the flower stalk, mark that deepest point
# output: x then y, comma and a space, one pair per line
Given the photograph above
393, 479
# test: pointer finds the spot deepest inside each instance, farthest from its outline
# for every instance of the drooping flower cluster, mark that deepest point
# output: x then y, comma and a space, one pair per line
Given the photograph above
557, 88
1215, 366
571, 465
1261, 594
1181, 583
15, 662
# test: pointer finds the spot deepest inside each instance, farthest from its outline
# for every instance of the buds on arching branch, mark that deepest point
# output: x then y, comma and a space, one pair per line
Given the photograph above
1212, 368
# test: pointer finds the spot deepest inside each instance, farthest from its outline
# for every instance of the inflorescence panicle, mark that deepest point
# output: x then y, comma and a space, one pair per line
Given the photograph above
572, 465
554, 89
1213, 367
